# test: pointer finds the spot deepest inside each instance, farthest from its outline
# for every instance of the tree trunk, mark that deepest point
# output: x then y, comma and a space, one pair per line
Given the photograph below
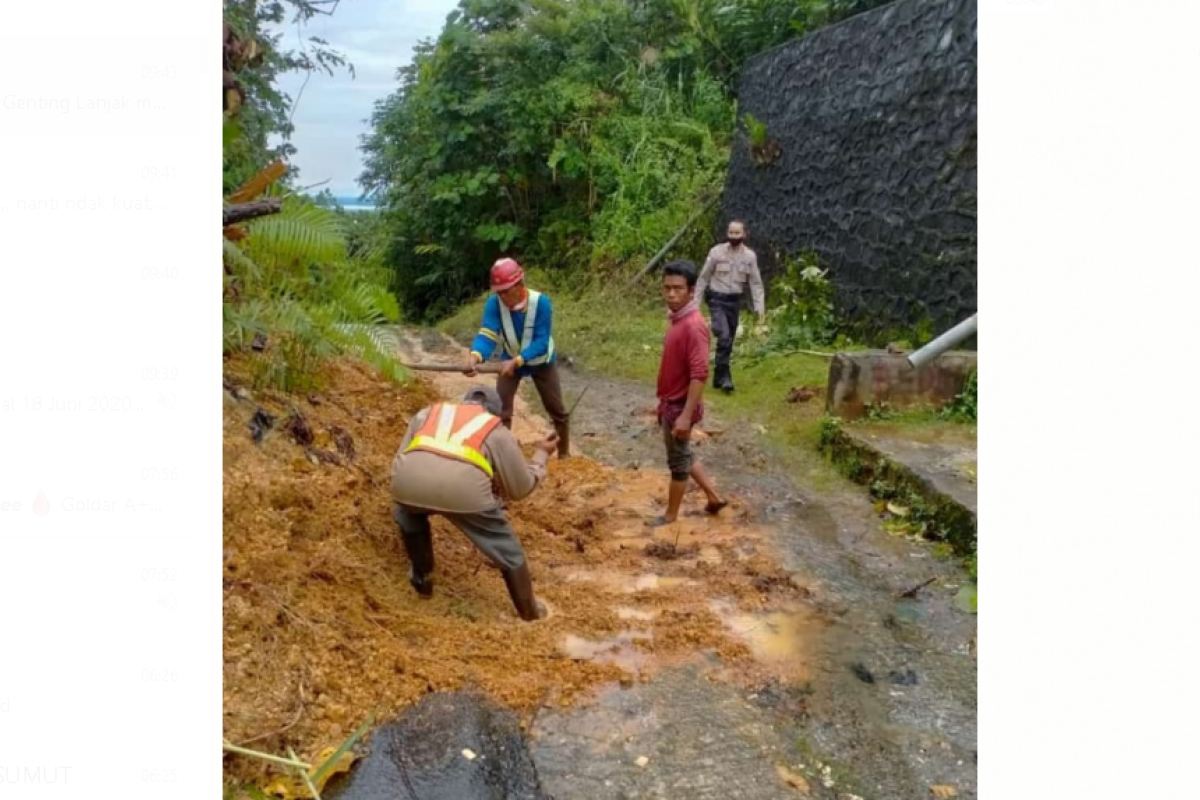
240, 212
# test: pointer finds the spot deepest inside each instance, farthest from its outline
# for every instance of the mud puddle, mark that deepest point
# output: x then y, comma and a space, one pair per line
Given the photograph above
626, 613
878, 688
627, 584
781, 639
621, 650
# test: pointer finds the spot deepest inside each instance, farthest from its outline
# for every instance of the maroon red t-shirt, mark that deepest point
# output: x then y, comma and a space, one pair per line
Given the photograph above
684, 359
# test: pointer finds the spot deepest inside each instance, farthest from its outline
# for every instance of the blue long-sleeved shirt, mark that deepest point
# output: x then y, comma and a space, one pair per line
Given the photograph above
491, 333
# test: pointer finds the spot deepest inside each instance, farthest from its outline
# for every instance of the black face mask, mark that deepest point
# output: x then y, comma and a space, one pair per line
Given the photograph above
734, 240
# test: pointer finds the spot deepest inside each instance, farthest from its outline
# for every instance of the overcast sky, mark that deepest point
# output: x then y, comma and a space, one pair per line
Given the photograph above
377, 37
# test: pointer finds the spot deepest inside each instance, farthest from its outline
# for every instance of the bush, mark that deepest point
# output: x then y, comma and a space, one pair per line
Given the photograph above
965, 406
799, 311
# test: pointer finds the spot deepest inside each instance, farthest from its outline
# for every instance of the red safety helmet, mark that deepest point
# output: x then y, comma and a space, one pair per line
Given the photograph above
506, 274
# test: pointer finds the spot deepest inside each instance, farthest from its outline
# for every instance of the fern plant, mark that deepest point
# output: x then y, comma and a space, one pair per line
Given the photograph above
303, 233
295, 298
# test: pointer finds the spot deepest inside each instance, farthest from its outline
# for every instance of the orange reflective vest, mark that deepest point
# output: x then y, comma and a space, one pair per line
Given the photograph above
456, 432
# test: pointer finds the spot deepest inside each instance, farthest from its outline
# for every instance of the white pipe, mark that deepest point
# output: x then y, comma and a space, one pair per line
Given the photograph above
960, 332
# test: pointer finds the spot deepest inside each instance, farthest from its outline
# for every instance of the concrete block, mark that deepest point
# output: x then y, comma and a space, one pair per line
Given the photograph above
872, 377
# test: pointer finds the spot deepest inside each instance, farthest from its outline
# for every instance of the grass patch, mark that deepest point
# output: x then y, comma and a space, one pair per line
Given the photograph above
919, 417
622, 338
826, 771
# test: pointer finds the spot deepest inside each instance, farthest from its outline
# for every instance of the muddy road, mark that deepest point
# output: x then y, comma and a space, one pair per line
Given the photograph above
863, 693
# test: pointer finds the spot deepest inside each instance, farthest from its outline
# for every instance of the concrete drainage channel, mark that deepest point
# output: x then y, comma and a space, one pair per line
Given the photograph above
931, 468
929, 477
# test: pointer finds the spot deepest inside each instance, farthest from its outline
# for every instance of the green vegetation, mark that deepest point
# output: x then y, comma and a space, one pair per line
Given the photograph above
256, 61
301, 282
304, 779
799, 312
294, 290
829, 772
961, 412
578, 136
916, 418
964, 407
764, 151
757, 130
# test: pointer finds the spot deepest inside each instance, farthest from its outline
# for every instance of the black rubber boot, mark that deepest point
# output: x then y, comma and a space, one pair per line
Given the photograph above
520, 590
423, 584
724, 378
563, 429
419, 547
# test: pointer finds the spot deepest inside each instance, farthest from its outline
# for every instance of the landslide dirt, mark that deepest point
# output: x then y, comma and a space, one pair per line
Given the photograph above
321, 627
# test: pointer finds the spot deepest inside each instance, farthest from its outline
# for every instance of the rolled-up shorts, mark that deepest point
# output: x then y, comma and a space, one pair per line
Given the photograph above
679, 454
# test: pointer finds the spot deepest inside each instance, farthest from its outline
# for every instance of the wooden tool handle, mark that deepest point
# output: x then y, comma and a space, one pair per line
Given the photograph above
485, 368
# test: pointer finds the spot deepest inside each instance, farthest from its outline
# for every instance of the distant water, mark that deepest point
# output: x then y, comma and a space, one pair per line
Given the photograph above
352, 203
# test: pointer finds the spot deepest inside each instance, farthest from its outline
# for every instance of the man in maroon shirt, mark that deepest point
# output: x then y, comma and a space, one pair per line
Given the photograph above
681, 378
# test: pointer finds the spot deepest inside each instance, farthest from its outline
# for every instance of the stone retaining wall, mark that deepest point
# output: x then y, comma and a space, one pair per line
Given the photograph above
875, 121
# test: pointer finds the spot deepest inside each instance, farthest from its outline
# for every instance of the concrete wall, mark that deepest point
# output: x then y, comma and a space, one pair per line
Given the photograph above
872, 377
876, 127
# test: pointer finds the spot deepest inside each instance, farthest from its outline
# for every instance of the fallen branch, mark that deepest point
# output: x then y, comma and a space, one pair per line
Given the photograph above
261, 181
528, 727
303, 189
370, 479
345, 748
240, 212
667, 247
913, 591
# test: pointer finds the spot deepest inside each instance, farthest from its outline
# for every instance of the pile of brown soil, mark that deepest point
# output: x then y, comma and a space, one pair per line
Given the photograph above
321, 626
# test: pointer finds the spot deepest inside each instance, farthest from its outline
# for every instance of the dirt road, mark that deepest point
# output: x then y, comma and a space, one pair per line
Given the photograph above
852, 691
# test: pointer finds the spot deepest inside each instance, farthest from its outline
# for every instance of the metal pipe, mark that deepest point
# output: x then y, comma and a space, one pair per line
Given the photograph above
959, 333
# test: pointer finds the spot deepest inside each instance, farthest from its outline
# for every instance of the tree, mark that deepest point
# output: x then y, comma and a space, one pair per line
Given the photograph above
578, 135
253, 65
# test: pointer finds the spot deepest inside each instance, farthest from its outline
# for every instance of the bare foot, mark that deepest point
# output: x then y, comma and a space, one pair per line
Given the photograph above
714, 506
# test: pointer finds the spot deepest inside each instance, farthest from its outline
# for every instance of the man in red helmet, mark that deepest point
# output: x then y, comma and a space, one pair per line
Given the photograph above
519, 321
